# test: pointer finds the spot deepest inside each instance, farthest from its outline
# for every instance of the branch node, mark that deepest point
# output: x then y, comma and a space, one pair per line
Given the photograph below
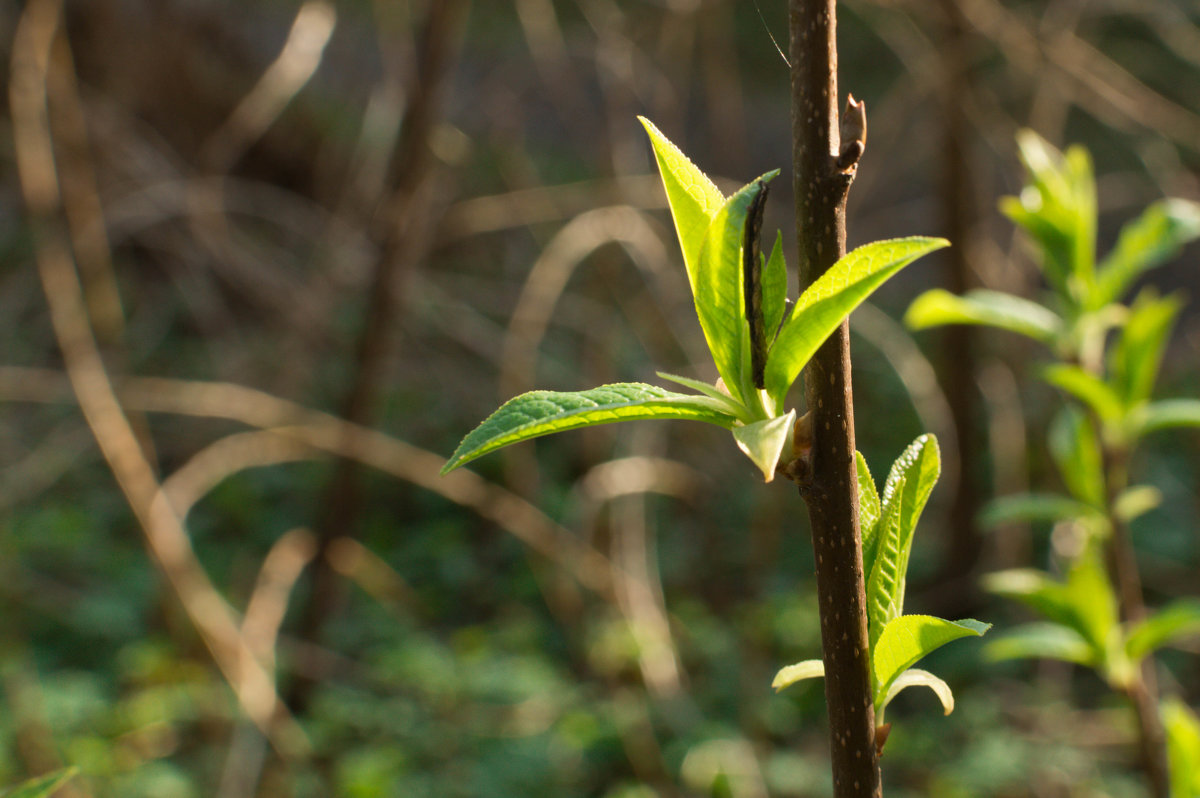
853, 137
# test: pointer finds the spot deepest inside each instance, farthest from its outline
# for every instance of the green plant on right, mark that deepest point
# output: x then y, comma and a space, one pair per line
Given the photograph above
1108, 351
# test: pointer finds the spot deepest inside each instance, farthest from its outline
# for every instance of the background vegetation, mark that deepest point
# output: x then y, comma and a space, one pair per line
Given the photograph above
401, 213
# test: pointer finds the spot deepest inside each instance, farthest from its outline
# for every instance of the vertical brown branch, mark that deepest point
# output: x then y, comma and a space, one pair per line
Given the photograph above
823, 170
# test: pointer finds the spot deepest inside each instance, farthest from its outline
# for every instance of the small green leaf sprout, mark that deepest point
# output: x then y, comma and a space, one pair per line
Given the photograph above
740, 295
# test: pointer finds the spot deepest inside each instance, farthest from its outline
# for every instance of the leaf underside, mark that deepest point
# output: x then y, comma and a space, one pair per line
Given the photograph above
537, 413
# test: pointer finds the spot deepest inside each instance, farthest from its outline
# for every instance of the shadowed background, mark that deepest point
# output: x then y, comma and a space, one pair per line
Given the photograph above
265, 263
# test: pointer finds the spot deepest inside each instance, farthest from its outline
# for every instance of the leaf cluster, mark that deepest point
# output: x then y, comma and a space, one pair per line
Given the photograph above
758, 345
897, 641
1109, 351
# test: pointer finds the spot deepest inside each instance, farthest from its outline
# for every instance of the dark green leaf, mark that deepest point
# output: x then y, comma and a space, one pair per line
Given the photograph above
539, 413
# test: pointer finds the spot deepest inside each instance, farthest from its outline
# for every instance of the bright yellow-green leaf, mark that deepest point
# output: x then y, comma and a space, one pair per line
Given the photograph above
991, 308
831, 298
907, 639
719, 293
693, 198
915, 677
808, 669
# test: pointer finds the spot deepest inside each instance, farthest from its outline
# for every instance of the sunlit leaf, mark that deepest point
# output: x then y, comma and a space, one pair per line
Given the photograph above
1136, 501
913, 474
1166, 414
1087, 388
884, 579
539, 413
991, 308
1176, 621
1085, 602
869, 510
1058, 209
1147, 241
1135, 359
763, 441
915, 677
1030, 507
1076, 452
774, 288
693, 198
909, 638
731, 405
831, 298
808, 669
719, 291
1041, 641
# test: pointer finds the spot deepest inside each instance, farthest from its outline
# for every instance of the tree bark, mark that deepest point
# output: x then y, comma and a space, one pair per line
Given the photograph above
823, 169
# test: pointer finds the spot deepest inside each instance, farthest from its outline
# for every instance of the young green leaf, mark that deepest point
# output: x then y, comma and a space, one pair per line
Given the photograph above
869, 510
1087, 388
1165, 414
731, 405
1147, 241
1085, 602
808, 669
913, 474
763, 441
774, 288
693, 198
537, 413
1043, 641
1135, 501
1135, 360
1076, 452
831, 298
905, 640
1058, 209
991, 308
915, 677
883, 582
1177, 620
1029, 507
719, 292
42, 786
